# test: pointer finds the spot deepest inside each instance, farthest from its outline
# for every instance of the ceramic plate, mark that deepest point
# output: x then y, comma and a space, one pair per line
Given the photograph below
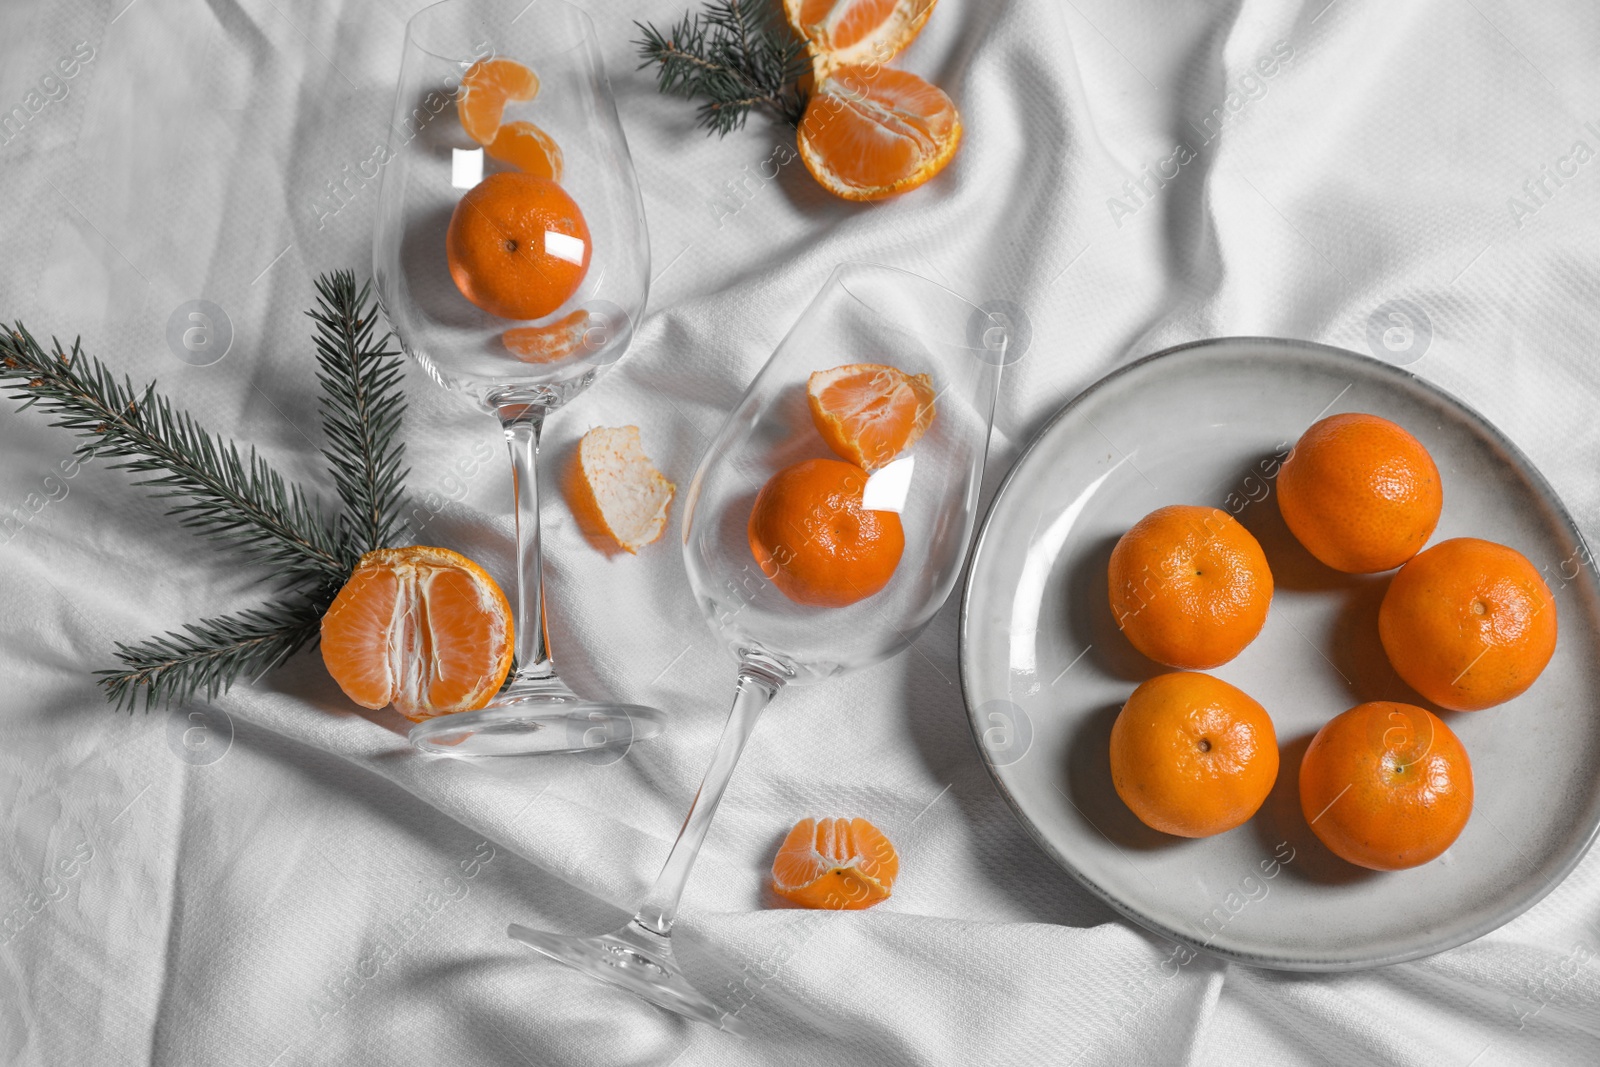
1045, 669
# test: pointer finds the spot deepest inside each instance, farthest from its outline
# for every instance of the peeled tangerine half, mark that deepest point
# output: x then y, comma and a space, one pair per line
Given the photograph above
618, 490
835, 863
857, 31
485, 89
869, 413
869, 132
425, 629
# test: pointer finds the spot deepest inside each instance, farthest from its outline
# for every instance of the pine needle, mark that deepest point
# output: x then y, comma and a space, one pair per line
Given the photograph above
738, 54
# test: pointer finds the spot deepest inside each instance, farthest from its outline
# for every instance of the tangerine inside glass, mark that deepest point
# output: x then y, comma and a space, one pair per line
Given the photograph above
429, 165
863, 314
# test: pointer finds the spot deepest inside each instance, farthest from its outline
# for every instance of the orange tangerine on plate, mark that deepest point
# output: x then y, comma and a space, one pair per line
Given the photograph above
871, 133
869, 413
529, 149
1192, 755
485, 89
1360, 493
846, 864
1468, 623
814, 539
518, 246
1189, 586
425, 629
1386, 785
841, 32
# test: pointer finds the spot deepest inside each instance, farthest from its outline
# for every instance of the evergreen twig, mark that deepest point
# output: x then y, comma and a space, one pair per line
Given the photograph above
210, 655
236, 498
738, 54
231, 497
361, 413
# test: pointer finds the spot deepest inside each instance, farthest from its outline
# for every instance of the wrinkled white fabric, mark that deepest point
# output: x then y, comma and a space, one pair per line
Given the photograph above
318, 895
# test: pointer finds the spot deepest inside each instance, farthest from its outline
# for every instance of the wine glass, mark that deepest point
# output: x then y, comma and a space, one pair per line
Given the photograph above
430, 164
866, 314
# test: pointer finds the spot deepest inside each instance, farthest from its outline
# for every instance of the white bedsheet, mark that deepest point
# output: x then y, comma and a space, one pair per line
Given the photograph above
1135, 174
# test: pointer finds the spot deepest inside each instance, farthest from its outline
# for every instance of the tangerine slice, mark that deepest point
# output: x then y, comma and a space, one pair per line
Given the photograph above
869, 413
528, 148
867, 135
842, 32
845, 864
485, 89
551, 343
618, 491
425, 629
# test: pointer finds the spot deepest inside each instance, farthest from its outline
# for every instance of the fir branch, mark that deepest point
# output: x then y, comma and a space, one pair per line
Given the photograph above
210, 655
738, 54
361, 413
233, 498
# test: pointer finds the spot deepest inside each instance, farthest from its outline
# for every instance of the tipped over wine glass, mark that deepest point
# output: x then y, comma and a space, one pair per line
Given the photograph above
782, 632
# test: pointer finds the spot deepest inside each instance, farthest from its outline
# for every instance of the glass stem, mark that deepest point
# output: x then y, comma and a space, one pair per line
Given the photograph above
522, 423
757, 685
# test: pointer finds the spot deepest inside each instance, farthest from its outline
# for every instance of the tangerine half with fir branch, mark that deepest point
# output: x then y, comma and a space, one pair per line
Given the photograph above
422, 628
842, 32
870, 133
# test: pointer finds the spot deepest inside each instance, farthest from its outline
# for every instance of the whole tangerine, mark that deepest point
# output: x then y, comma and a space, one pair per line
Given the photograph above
1468, 623
1189, 586
517, 245
814, 539
1386, 785
1192, 755
1360, 493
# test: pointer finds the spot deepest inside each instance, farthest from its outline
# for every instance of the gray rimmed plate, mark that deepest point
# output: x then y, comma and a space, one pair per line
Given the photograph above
1044, 669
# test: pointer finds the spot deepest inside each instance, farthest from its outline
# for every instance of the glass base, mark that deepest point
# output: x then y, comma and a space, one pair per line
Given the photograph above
637, 960
535, 719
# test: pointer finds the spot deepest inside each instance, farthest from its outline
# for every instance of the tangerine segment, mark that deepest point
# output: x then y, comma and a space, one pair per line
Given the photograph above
1189, 586
551, 343
1386, 785
517, 245
529, 149
871, 133
1360, 493
1193, 756
869, 413
485, 89
814, 539
425, 629
1468, 624
843, 32
845, 864
619, 491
